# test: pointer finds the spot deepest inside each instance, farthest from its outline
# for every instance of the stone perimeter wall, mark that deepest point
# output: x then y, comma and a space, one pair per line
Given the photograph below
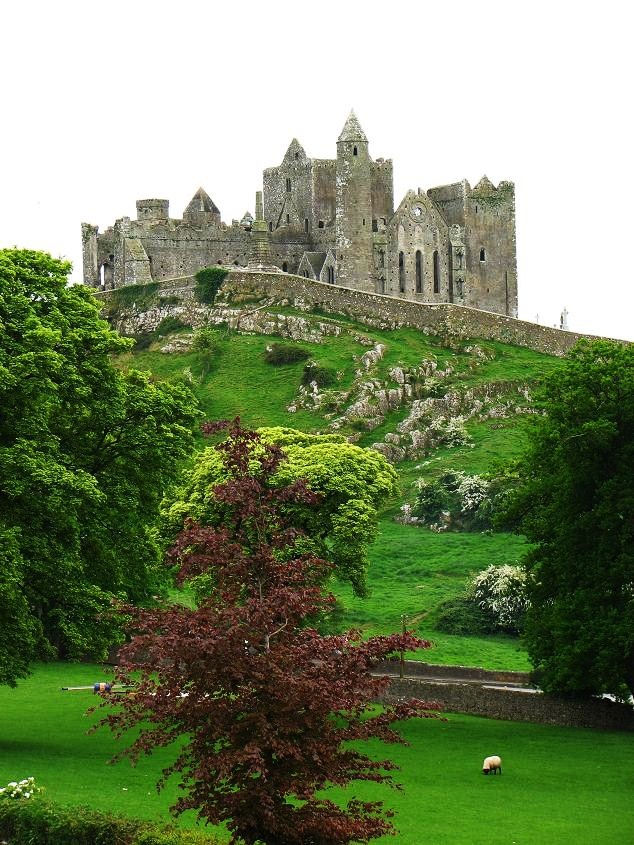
514, 705
373, 309
438, 671
433, 319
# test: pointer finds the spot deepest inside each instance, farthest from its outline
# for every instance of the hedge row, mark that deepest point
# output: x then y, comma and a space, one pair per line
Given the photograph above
36, 821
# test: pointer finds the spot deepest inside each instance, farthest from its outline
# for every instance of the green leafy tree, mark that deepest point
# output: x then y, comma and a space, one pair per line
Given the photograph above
351, 482
86, 453
576, 504
19, 631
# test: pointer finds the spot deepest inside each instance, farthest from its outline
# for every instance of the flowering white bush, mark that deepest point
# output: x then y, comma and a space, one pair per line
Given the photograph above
472, 490
451, 431
501, 591
455, 499
19, 789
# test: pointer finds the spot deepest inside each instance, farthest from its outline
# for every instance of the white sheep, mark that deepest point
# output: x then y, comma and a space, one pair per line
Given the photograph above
492, 764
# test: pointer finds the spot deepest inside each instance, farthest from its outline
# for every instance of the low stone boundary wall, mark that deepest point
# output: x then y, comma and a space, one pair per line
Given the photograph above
445, 319
441, 318
434, 671
515, 705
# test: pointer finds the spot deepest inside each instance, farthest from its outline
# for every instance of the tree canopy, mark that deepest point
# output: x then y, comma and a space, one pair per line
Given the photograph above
576, 504
86, 453
261, 708
351, 483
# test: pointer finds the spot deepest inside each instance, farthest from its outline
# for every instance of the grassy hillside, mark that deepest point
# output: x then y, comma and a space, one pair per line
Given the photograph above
413, 569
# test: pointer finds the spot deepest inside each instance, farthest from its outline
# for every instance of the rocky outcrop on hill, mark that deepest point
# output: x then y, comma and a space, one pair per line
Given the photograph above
436, 421
438, 400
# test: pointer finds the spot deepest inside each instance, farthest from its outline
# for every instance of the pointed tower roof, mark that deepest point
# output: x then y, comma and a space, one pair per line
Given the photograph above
352, 130
201, 201
295, 151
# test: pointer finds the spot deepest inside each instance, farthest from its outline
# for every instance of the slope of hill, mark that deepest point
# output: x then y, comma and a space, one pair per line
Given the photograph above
429, 404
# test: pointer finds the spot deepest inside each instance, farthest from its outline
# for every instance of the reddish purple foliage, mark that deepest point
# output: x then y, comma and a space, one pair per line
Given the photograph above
264, 703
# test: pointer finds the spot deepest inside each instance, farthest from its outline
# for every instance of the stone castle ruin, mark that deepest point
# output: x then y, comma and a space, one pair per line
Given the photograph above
330, 220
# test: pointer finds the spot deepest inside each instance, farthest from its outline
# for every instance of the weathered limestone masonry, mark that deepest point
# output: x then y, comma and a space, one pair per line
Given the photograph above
465, 689
330, 220
434, 319
515, 705
449, 320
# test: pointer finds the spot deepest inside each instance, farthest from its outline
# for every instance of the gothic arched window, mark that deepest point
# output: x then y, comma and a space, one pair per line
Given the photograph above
419, 271
401, 272
436, 272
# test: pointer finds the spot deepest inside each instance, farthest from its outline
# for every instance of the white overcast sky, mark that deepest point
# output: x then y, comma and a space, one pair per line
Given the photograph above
106, 103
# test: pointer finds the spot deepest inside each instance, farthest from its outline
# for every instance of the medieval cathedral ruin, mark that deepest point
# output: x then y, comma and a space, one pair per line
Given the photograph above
331, 220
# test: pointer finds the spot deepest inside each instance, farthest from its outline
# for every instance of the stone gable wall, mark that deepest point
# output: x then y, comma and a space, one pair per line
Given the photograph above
408, 235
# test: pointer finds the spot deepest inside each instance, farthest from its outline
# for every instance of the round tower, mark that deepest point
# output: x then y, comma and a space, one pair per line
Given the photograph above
354, 208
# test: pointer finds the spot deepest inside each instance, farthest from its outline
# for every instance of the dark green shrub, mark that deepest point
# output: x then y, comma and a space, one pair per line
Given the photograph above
206, 344
432, 499
170, 324
144, 341
323, 376
172, 299
205, 340
208, 282
471, 501
284, 353
358, 424
463, 616
35, 821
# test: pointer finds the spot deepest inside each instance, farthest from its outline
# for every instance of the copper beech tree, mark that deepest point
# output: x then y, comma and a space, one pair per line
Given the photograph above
260, 707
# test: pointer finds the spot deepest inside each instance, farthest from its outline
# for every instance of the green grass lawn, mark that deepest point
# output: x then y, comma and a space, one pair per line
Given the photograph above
241, 383
412, 571
559, 785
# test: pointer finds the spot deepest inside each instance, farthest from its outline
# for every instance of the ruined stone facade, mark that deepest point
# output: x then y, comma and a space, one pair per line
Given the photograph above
332, 220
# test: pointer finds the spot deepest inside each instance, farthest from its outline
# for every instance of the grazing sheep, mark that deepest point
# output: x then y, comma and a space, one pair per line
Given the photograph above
492, 764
